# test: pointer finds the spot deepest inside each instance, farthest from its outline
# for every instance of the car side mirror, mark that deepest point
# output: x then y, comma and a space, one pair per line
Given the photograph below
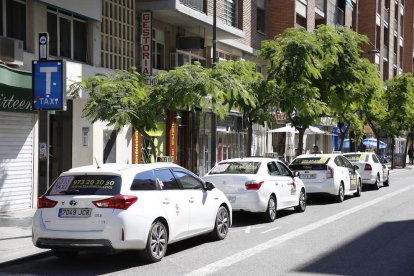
210, 186
355, 167
296, 174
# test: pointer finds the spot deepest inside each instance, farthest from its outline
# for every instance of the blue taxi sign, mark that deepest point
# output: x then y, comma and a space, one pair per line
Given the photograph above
48, 85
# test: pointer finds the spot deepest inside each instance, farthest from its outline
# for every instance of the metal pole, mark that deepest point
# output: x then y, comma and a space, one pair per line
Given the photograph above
213, 116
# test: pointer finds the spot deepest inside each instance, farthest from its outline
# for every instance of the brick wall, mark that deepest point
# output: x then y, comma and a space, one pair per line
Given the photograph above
408, 36
280, 15
367, 25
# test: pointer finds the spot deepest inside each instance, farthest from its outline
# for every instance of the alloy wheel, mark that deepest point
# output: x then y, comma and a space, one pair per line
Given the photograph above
223, 221
158, 240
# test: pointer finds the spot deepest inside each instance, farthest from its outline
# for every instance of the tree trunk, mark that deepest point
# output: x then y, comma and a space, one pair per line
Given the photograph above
342, 136
392, 153
300, 145
249, 137
406, 150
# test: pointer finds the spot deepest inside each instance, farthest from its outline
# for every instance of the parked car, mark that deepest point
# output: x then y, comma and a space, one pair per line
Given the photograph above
123, 207
258, 185
328, 173
373, 172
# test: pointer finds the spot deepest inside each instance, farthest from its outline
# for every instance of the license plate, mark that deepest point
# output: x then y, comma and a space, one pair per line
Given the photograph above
231, 199
308, 176
74, 212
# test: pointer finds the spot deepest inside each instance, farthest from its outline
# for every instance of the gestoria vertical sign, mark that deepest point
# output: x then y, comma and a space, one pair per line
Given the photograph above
146, 27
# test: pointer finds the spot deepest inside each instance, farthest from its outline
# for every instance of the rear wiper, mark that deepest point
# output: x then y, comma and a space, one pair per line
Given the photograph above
69, 192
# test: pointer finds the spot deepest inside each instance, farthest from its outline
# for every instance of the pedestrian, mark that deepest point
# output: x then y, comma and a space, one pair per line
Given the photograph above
411, 155
315, 149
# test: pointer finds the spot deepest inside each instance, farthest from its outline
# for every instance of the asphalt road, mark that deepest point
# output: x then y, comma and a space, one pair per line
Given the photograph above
370, 235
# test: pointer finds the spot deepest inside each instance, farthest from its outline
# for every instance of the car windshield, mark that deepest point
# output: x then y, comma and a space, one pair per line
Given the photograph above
236, 168
86, 185
357, 157
311, 160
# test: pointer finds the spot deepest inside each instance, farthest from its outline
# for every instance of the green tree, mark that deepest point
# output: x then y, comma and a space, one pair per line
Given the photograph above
121, 99
346, 77
399, 97
295, 60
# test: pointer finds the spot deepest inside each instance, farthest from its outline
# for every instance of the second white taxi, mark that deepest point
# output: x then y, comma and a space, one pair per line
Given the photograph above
259, 185
372, 171
328, 173
122, 207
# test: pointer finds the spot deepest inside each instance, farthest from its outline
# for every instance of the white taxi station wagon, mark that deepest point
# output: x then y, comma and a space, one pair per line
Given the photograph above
328, 173
259, 185
372, 171
123, 207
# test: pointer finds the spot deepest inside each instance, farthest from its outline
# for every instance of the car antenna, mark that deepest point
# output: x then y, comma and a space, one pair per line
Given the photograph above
97, 164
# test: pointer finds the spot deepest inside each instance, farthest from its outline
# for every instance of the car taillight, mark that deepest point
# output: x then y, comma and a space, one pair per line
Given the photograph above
329, 172
368, 167
253, 185
119, 201
44, 202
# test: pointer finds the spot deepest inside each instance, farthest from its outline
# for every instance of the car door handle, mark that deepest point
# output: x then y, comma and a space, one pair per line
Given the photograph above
191, 200
166, 201
277, 183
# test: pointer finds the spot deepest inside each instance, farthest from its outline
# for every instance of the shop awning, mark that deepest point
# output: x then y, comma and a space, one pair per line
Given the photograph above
15, 90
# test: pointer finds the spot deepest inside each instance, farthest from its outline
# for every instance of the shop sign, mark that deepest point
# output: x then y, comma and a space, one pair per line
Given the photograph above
173, 140
48, 85
15, 99
280, 117
164, 158
146, 35
136, 147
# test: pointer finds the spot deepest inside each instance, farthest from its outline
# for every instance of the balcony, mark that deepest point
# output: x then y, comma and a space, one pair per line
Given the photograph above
194, 4
191, 16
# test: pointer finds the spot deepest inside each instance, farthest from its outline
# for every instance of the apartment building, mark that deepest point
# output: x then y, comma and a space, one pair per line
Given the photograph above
389, 27
36, 146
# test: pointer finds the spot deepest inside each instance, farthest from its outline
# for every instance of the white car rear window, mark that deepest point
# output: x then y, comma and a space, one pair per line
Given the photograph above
86, 185
236, 168
357, 157
311, 160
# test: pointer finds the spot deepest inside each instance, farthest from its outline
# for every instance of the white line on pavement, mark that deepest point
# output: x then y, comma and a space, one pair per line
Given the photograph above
233, 230
272, 229
242, 255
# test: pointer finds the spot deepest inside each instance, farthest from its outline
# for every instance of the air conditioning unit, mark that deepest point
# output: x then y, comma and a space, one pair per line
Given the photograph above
11, 51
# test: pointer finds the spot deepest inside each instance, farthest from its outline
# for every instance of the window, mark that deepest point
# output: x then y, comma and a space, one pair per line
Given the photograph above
284, 170
346, 162
272, 169
13, 19
67, 35
260, 25
86, 185
188, 181
230, 15
144, 181
158, 52
375, 158
166, 179
301, 21
338, 161
301, 13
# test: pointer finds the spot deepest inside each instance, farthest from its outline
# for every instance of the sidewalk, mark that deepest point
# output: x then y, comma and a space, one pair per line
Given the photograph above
16, 236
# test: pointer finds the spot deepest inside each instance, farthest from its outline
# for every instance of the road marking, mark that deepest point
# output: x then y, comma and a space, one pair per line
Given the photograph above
272, 229
242, 255
246, 229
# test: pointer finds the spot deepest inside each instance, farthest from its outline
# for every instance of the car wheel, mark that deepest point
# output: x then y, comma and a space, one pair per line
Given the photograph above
359, 189
221, 227
156, 243
65, 254
377, 183
341, 194
301, 207
270, 214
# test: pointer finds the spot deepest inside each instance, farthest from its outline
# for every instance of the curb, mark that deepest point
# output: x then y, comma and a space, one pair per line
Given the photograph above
32, 257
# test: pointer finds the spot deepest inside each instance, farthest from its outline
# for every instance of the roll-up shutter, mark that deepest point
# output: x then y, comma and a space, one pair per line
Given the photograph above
16, 160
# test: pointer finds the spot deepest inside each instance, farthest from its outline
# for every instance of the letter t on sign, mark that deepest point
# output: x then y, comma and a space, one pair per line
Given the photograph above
48, 71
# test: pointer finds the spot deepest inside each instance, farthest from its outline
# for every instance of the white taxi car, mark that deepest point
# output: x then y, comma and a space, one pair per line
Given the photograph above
123, 207
372, 171
259, 185
328, 173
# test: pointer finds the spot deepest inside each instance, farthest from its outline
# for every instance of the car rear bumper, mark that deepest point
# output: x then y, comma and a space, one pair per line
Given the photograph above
118, 235
325, 187
249, 201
